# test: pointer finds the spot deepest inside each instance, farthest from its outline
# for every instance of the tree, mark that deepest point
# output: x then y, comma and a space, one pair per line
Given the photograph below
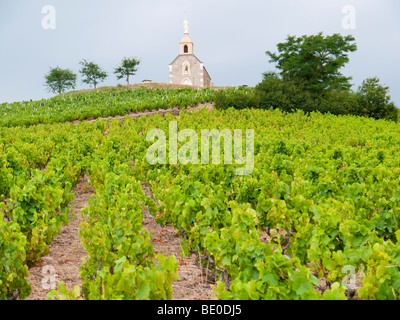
374, 100
273, 92
315, 61
92, 72
127, 68
58, 80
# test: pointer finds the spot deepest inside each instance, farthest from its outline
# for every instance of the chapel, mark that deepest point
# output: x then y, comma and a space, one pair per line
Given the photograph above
187, 68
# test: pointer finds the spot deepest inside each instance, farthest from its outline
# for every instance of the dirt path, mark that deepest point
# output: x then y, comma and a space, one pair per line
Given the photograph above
175, 111
66, 252
195, 283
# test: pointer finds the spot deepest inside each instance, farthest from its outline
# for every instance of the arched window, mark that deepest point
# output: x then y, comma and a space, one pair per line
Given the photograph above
185, 68
186, 49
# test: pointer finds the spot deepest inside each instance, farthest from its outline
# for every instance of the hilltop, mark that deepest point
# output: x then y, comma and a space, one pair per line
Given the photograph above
104, 102
152, 85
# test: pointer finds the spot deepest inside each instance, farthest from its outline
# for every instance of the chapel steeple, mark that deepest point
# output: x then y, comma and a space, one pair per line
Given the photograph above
186, 45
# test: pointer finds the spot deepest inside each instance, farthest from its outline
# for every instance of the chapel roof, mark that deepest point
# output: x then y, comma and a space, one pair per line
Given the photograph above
185, 55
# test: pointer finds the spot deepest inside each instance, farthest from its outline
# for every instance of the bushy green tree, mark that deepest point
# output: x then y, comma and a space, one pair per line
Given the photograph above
309, 80
58, 80
337, 102
92, 73
375, 102
315, 61
238, 99
274, 92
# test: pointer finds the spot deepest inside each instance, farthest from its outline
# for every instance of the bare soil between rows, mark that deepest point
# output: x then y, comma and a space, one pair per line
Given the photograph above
195, 282
66, 255
66, 252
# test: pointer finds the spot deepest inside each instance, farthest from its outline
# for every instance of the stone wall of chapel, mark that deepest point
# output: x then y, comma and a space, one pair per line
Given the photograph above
177, 73
207, 80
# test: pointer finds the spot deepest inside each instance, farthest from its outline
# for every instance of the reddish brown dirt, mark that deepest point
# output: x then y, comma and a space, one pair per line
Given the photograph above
66, 251
175, 111
195, 282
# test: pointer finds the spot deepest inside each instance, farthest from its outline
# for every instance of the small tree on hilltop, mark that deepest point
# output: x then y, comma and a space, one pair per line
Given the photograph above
58, 80
128, 67
92, 72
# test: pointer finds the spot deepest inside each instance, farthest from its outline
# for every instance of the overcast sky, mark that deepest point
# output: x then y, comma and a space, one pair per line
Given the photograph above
230, 37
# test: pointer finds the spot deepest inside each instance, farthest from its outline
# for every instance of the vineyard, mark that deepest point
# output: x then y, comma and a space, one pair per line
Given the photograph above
106, 103
322, 205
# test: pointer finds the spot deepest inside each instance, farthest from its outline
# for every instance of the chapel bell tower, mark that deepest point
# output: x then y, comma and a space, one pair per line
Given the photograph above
186, 45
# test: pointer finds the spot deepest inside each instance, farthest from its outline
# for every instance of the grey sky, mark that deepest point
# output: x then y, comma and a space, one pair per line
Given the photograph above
230, 37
